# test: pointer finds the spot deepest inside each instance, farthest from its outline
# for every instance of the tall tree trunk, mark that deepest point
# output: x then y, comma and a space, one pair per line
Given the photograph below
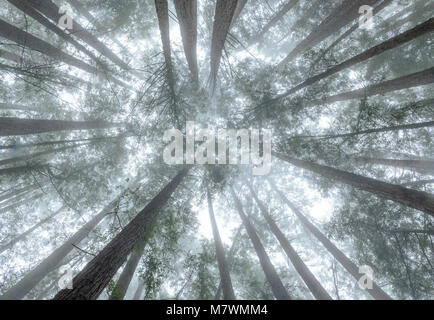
20, 169
340, 17
228, 291
421, 29
273, 279
376, 292
427, 124
224, 12
139, 291
38, 154
14, 193
355, 26
12, 106
92, 280
419, 200
426, 166
10, 126
419, 182
30, 280
240, 6
18, 204
127, 274
274, 20
51, 11
409, 81
309, 279
25, 39
186, 11
24, 235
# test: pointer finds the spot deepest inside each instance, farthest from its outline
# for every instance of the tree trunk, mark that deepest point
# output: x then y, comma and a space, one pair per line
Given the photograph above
30, 280
92, 280
19, 170
421, 29
18, 204
425, 166
224, 12
12, 106
186, 11
340, 17
419, 200
273, 279
51, 11
38, 154
128, 272
419, 182
355, 26
10, 126
139, 291
274, 20
309, 279
376, 292
240, 6
24, 235
14, 193
409, 81
228, 291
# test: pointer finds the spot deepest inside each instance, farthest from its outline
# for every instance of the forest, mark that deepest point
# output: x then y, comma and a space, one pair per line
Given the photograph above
114, 185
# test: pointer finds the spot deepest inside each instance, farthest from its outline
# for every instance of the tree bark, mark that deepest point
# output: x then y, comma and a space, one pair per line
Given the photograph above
228, 291
92, 280
274, 20
10, 126
376, 292
24, 235
224, 12
30, 280
405, 82
186, 11
340, 17
419, 200
139, 291
426, 166
240, 6
421, 29
273, 279
309, 279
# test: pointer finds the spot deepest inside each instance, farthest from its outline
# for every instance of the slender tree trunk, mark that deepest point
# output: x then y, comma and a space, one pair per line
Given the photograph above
376, 130
240, 6
186, 11
309, 279
11, 194
18, 204
139, 291
409, 81
376, 292
10, 126
421, 29
340, 17
355, 26
38, 154
419, 200
24, 235
228, 291
51, 10
20, 169
128, 272
276, 284
224, 12
25, 39
12, 106
419, 165
30, 280
419, 182
274, 20
92, 280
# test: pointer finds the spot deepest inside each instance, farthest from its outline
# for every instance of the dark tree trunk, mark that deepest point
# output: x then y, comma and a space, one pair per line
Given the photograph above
228, 291
273, 279
128, 272
376, 292
426, 166
15, 126
186, 11
92, 280
224, 12
309, 279
49, 264
340, 17
392, 43
240, 6
419, 200
409, 81
24, 235
274, 20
